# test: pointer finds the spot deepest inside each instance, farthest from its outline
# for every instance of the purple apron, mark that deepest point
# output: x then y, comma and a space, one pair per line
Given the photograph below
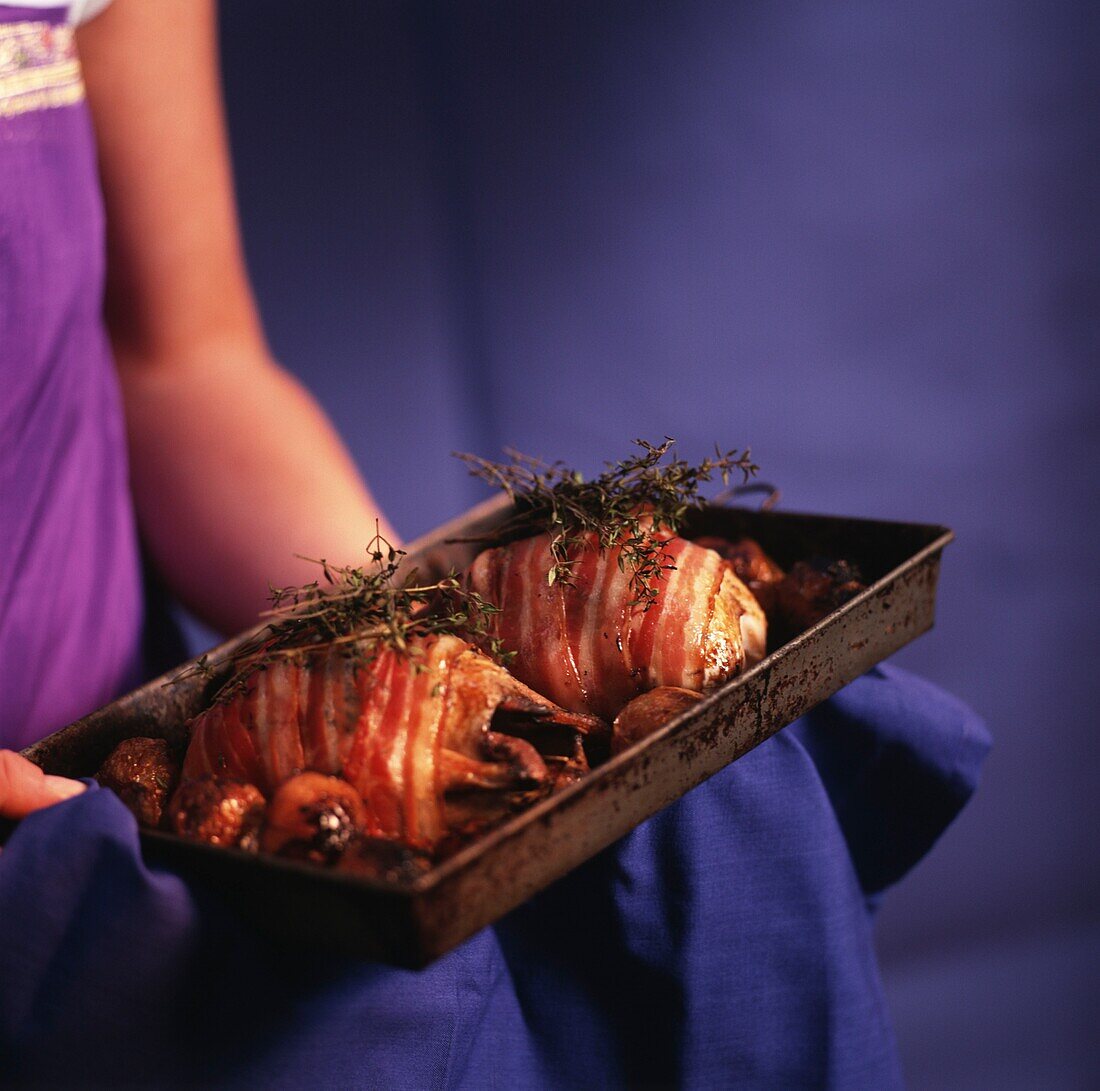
70, 581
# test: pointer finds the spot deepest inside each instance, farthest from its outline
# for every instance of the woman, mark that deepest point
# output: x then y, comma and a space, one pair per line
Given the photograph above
727, 940
232, 467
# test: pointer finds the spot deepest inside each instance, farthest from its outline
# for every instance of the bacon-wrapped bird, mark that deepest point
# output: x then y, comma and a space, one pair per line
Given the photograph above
589, 645
430, 737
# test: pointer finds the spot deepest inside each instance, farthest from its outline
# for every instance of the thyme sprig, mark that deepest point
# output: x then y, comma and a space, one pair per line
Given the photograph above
361, 609
635, 504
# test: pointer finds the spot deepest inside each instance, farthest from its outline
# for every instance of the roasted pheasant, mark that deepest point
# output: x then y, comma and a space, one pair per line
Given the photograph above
599, 599
436, 739
591, 646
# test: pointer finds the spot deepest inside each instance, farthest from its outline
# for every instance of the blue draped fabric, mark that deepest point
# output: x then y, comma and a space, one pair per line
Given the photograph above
727, 941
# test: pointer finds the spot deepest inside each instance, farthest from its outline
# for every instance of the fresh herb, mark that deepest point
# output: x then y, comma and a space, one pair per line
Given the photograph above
360, 610
635, 505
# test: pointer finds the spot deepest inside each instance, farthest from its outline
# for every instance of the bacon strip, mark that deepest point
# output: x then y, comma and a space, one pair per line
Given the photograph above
590, 648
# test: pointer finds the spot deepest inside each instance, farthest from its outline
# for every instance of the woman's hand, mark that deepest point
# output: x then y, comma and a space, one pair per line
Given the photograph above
25, 788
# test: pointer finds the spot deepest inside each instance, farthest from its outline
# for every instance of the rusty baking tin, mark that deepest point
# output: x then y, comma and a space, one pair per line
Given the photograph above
412, 924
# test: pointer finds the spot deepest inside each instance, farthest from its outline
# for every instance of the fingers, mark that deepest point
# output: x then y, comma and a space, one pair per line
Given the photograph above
25, 788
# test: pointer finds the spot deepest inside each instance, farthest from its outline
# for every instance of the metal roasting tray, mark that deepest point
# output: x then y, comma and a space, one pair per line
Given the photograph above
412, 924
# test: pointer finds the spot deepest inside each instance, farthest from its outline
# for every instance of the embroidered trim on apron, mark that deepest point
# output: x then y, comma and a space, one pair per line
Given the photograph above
39, 69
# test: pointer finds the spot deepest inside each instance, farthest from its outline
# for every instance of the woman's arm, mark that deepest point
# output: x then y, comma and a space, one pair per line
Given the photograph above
234, 467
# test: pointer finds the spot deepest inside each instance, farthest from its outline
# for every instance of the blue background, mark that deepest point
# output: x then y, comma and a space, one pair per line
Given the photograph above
860, 237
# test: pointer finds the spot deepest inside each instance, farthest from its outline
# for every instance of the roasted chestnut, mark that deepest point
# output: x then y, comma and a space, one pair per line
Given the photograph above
647, 712
142, 773
218, 811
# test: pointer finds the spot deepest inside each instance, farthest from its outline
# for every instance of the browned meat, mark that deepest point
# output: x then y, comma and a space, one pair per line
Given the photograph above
751, 564
142, 773
219, 811
648, 712
569, 766
388, 861
810, 591
313, 817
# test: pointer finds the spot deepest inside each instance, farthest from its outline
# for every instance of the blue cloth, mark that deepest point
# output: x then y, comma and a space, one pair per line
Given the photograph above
726, 941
